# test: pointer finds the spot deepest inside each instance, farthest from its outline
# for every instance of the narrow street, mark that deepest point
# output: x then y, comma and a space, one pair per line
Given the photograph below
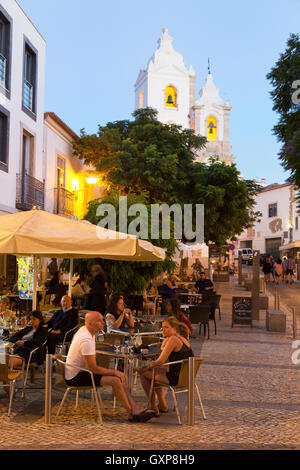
289, 294
248, 382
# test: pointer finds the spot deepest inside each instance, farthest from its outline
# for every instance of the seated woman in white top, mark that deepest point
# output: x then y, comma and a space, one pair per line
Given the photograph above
117, 316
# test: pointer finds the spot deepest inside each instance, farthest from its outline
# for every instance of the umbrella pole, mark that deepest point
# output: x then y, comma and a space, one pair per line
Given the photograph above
34, 282
71, 275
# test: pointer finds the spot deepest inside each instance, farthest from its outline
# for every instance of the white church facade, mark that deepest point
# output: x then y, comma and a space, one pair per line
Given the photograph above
169, 87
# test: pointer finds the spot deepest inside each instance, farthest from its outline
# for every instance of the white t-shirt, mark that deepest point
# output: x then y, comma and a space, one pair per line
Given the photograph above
83, 344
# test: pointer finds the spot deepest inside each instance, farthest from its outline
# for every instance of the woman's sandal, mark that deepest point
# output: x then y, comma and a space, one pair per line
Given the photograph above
163, 411
144, 416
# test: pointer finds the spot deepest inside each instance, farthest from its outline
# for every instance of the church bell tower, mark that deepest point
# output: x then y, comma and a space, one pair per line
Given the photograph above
166, 85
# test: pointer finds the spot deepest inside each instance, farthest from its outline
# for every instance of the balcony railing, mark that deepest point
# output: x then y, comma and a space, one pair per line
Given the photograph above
63, 202
2, 71
28, 95
30, 192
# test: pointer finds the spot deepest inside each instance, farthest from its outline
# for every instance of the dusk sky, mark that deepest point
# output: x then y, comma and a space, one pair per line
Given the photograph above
95, 50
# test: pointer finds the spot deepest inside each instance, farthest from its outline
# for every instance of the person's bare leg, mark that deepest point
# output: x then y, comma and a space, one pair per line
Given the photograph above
146, 378
136, 409
162, 404
122, 394
118, 391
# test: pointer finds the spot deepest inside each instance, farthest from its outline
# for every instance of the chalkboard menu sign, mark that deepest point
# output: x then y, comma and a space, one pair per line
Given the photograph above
241, 311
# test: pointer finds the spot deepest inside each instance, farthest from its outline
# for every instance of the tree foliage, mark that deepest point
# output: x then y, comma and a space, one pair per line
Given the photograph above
154, 163
130, 277
282, 77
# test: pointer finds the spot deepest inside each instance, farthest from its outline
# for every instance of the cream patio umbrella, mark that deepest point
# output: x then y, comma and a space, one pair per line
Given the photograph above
42, 234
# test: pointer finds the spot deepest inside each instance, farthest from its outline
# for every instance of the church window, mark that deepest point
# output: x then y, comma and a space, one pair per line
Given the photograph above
211, 128
171, 97
141, 99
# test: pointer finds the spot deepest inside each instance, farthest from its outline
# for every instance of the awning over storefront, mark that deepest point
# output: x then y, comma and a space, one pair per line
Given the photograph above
290, 246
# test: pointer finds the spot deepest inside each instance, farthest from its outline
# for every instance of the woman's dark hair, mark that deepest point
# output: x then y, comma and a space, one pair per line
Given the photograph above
37, 314
112, 306
279, 261
175, 304
180, 327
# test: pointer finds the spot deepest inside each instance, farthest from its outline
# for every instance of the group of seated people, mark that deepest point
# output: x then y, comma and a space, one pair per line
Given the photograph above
118, 317
176, 329
82, 353
37, 333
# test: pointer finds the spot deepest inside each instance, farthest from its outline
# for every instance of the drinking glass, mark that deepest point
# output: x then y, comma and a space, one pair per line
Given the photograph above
117, 345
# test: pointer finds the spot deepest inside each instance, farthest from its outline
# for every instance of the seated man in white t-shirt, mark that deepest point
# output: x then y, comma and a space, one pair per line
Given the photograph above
82, 353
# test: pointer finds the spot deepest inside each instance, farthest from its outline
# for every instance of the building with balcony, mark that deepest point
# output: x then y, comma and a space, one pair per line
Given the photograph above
67, 191
22, 77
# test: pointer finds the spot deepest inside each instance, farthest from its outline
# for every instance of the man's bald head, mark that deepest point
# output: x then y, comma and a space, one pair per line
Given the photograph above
94, 322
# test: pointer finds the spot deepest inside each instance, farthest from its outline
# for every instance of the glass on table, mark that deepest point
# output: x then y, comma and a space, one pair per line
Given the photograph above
117, 346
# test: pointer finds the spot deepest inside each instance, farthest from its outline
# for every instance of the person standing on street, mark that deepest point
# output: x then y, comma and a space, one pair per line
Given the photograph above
290, 269
284, 268
96, 300
278, 270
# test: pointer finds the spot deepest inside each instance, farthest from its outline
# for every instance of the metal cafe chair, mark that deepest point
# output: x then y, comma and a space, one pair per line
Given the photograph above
8, 377
66, 343
182, 386
95, 390
31, 365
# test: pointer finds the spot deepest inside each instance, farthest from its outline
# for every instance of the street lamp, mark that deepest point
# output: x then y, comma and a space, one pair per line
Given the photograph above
92, 179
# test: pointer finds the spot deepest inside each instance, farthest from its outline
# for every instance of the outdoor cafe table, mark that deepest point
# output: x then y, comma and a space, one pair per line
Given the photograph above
138, 332
129, 358
189, 294
185, 306
151, 318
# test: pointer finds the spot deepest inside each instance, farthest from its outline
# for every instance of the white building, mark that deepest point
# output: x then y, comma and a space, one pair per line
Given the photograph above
67, 190
169, 87
278, 226
22, 77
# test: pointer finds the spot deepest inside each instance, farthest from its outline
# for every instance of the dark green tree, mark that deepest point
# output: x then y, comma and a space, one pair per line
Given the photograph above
126, 277
154, 163
283, 77
228, 200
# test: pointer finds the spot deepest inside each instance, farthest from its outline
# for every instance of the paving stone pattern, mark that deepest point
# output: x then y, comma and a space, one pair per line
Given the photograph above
249, 386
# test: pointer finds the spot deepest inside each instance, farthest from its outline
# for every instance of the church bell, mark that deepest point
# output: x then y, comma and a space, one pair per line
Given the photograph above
211, 127
170, 100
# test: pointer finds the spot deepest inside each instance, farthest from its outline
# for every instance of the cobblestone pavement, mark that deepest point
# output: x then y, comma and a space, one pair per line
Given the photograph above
249, 386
